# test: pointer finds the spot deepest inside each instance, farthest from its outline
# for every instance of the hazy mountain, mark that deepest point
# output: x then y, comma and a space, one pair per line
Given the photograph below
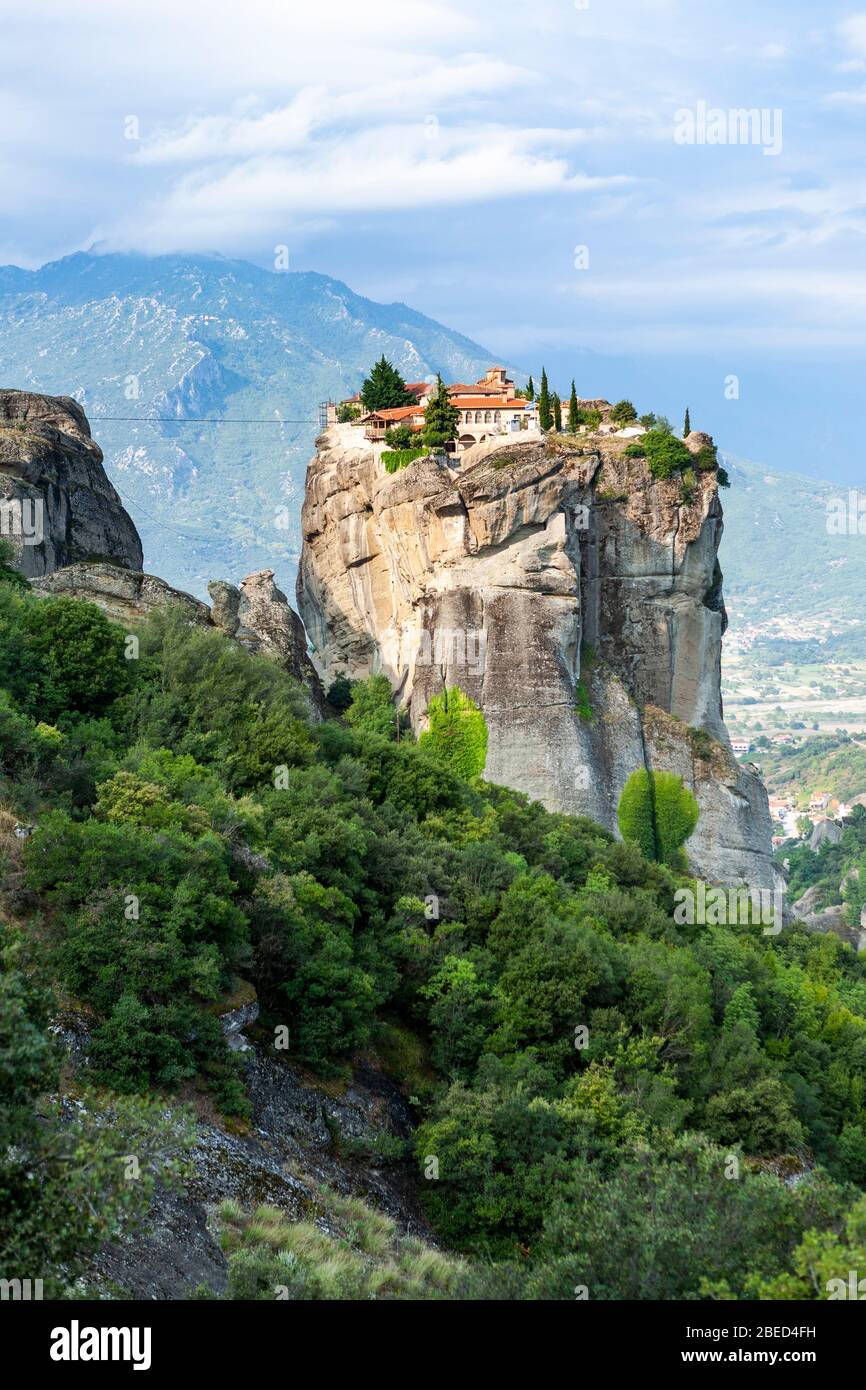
187, 337
777, 554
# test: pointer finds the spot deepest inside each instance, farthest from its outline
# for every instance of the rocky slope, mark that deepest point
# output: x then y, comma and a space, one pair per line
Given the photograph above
58, 506
575, 598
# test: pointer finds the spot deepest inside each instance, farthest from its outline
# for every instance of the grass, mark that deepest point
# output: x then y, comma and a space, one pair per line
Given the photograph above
345, 1250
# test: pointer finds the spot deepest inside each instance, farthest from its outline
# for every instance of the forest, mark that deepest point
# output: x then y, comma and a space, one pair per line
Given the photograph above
606, 1100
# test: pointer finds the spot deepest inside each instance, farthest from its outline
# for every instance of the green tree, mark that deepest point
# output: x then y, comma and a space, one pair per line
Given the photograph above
687, 424
372, 706
658, 813
384, 388
545, 417
81, 656
530, 389
64, 1188
572, 411
623, 413
400, 437
441, 418
457, 733
557, 413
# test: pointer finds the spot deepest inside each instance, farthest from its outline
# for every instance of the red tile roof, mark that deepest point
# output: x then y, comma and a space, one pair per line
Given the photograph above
396, 412
485, 403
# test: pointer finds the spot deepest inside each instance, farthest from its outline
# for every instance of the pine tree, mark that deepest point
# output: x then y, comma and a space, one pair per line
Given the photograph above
384, 388
441, 418
687, 424
545, 418
557, 413
572, 411
530, 389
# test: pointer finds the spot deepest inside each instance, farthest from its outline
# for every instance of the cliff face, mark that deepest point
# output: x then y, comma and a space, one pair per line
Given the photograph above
57, 504
575, 598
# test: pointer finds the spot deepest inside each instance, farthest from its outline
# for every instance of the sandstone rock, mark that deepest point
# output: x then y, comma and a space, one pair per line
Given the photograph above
258, 616
541, 577
51, 470
126, 596
827, 832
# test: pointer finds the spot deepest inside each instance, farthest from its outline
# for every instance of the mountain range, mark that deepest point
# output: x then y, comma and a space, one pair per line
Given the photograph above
202, 379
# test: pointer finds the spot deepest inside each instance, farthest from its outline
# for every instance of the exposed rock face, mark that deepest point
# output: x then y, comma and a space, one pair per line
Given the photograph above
56, 502
127, 596
541, 578
259, 616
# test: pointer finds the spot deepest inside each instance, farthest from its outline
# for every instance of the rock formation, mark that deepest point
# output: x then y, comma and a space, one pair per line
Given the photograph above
574, 597
71, 536
56, 503
258, 616
126, 596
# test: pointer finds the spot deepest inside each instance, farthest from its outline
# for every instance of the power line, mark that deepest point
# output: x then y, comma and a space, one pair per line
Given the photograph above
198, 420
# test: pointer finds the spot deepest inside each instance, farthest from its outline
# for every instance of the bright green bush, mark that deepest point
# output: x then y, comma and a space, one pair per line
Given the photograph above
665, 454
658, 813
457, 733
371, 707
395, 459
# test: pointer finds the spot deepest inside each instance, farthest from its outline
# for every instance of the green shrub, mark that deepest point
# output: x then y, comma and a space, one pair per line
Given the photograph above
665, 454
395, 459
589, 417
400, 436
457, 733
371, 706
581, 702
658, 813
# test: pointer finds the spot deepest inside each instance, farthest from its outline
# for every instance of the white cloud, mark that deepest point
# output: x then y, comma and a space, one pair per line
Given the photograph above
316, 109
374, 169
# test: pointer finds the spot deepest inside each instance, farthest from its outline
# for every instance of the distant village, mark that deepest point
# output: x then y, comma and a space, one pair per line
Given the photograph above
825, 812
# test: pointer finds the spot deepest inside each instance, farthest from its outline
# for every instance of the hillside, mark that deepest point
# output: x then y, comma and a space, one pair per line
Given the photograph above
778, 557
381, 911
195, 336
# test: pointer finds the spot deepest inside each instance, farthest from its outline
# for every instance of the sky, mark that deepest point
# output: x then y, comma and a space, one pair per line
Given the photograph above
535, 175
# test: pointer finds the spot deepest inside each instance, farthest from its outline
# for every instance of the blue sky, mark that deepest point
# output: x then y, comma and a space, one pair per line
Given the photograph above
455, 156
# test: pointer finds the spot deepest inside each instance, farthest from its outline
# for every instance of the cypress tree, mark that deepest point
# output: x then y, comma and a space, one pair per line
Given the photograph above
557, 413
530, 389
572, 411
545, 418
687, 424
441, 418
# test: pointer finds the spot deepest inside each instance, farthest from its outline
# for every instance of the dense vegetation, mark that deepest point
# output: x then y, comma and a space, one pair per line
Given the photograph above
604, 1095
837, 871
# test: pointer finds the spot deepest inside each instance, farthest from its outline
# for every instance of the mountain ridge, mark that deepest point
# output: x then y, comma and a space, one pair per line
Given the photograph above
133, 337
